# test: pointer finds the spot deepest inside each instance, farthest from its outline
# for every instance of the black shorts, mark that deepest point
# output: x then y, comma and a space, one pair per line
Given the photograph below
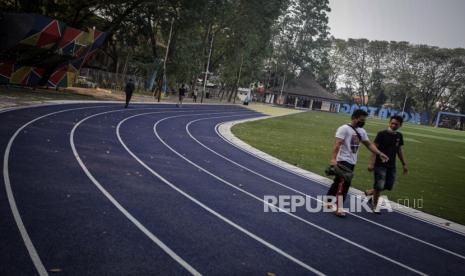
384, 178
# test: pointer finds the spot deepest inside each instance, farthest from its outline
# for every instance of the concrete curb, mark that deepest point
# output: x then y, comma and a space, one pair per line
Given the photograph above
225, 131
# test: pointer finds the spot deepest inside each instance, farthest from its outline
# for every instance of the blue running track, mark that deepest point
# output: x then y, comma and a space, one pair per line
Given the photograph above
95, 189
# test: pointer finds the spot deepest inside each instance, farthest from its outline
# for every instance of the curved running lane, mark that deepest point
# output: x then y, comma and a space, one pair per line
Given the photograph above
96, 189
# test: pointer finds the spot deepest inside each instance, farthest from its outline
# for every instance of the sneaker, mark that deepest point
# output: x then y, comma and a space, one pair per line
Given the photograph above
341, 214
376, 210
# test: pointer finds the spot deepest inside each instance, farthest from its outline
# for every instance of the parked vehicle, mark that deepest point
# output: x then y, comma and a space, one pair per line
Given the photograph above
85, 82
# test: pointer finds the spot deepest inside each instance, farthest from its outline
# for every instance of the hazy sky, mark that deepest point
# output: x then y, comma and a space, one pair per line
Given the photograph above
433, 22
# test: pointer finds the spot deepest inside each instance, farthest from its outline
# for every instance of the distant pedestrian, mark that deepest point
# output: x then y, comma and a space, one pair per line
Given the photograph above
246, 100
389, 141
129, 89
344, 155
182, 94
194, 95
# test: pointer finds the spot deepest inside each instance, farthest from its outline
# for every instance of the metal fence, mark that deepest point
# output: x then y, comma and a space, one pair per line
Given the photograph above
107, 80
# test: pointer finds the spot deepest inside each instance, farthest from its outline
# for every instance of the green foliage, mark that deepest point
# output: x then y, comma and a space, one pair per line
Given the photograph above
301, 39
244, 36
426, 78
376, 88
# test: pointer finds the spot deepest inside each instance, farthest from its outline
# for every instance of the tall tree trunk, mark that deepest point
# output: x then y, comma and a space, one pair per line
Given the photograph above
238, 79
222, 91
152, 36
230, 93
193, 82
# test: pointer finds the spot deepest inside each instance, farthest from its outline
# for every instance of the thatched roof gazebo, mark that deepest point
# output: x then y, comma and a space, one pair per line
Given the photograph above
304, 92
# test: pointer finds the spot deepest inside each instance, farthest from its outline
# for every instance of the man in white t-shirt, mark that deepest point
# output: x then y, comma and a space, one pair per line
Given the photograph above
345, 149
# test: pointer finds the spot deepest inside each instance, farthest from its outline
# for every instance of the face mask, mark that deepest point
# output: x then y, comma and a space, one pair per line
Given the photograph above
394, 126
360, 124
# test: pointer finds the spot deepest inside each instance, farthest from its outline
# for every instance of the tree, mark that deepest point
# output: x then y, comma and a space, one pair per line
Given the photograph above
376, 88
244, 37
357, 65
436, 70
301, 39
455, 96
377, 53
400, 74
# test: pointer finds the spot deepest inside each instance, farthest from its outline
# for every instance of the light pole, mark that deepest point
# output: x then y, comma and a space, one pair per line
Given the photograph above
208, 66
210, 30
282, 88
208, 63
239, 77
166, 57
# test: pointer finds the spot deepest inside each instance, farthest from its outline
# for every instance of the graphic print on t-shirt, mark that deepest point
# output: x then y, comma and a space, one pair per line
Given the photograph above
354, 143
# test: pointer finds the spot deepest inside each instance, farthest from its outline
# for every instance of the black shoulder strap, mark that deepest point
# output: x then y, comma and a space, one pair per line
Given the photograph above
358, 134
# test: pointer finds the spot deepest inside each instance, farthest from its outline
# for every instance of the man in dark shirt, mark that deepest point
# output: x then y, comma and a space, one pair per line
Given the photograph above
390, 142
182, 93
129, 89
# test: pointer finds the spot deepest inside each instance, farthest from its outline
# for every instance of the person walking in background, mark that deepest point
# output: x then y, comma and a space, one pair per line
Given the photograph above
182, 94
389, 141
129, 89
344, 154
194, 95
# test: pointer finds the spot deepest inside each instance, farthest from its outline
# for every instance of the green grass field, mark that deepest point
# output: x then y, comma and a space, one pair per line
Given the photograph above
435, 157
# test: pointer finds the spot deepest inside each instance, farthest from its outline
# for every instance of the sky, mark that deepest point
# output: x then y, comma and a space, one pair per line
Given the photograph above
433, 22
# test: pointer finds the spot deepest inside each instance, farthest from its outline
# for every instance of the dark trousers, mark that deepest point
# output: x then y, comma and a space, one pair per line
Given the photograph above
128, 98
345, 188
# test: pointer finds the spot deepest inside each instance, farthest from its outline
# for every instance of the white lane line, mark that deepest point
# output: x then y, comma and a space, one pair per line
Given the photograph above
11, 199
248, 151
126, 213
284, 211
314, 198
208, 209
14, 108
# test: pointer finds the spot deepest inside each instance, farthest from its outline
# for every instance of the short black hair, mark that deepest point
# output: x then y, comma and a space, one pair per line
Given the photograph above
359, 113
398, 118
